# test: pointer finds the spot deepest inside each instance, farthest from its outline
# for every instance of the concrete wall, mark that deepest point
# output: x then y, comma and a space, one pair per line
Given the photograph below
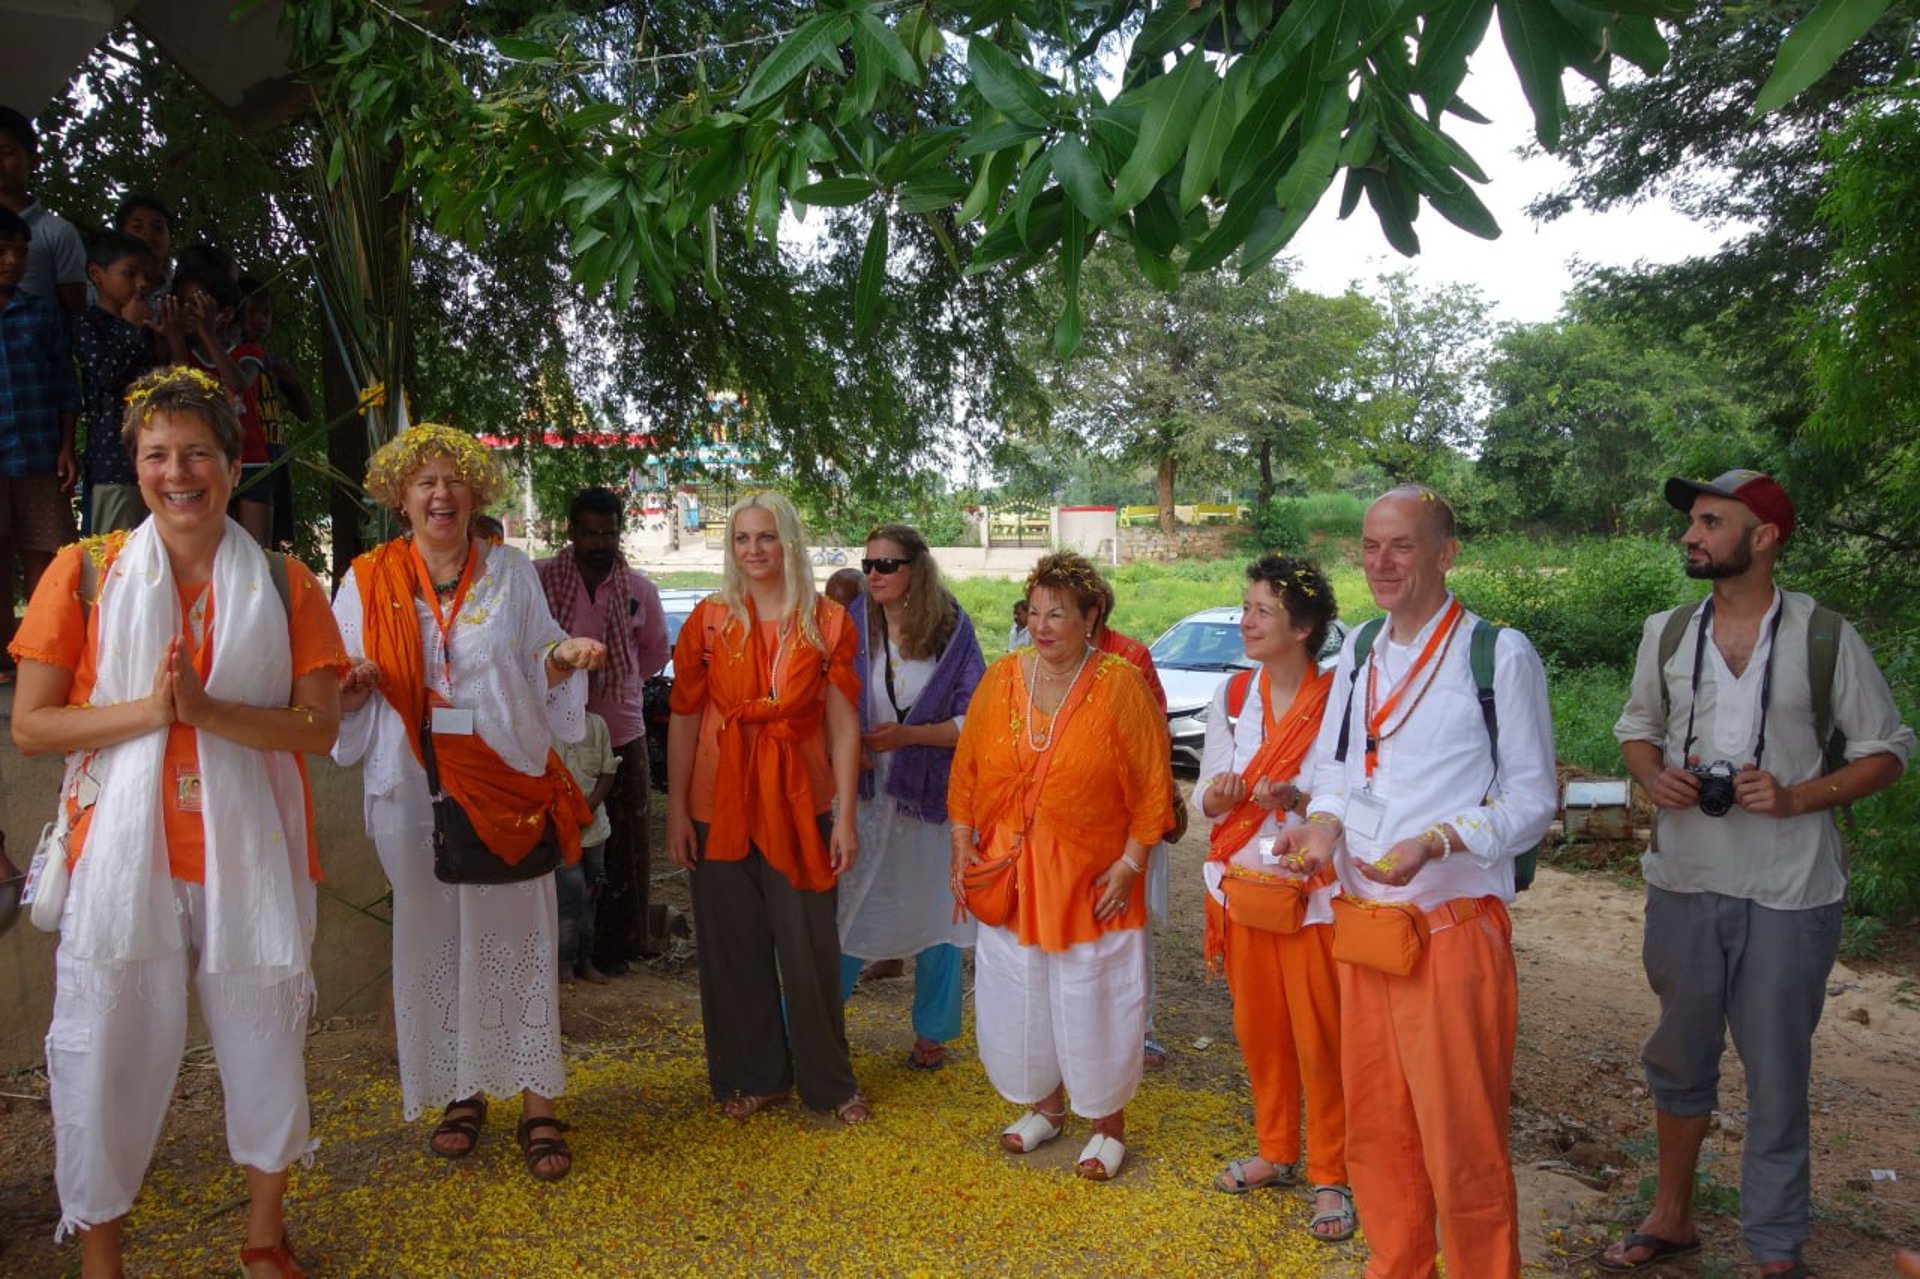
351, 949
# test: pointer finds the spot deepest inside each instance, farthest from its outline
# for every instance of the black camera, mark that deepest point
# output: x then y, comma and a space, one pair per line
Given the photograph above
1716, 787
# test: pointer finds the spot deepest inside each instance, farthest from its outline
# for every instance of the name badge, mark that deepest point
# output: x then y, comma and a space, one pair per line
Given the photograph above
187, 794
1265, 844
1365, 814
454, 721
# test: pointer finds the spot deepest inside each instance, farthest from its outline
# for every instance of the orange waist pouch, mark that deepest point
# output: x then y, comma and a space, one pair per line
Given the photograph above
1270, 903
992, 885
1384, 936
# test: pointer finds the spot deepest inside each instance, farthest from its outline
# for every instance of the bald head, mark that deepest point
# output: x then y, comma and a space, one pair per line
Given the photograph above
1433, 510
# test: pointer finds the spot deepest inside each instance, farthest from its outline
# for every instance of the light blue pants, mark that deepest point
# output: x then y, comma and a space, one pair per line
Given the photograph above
936, 990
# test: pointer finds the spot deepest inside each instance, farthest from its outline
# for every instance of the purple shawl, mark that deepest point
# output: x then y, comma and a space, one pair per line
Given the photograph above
917, 780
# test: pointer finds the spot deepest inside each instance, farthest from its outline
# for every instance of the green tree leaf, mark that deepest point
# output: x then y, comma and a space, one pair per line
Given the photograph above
1008, 87
885, 44
1219, 117
833, 192
1813, 46
793, 56
1532, 33
1165, 128
873, 275
1074, 165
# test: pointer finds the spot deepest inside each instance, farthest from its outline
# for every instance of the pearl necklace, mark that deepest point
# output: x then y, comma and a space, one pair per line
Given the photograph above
1041, 745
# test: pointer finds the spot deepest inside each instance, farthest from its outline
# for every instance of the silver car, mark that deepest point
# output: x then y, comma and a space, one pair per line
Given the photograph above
1194, 655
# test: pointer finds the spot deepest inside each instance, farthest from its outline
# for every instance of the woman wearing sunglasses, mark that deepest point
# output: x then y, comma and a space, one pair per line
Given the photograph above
763, 758
919, 663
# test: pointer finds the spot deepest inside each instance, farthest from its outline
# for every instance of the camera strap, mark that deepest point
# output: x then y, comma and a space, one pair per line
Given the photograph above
1766, 678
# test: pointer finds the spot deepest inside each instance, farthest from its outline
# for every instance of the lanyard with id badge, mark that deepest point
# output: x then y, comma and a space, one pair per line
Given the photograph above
451, 721
1387, 937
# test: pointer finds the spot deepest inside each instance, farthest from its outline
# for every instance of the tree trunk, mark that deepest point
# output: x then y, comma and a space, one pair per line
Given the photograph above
1266, 474
1168, 463
346, 452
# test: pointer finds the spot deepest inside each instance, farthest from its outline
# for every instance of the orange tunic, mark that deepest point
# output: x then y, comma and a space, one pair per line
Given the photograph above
1108, 782
59, 631
761, 775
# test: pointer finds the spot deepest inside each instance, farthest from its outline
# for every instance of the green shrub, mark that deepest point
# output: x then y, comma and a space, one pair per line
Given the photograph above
1884, 855
1586, 702
1281, 524
1581, 604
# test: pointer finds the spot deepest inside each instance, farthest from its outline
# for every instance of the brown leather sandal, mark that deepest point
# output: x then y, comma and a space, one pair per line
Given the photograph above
462, 1121
279, 1256
541, 1152
747, 1105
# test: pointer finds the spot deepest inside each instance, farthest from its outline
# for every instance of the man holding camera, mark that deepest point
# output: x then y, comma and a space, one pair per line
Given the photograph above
1753, 714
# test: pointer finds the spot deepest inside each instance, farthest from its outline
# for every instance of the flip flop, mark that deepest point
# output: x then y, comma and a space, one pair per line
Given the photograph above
1659, 1252
1233, 1179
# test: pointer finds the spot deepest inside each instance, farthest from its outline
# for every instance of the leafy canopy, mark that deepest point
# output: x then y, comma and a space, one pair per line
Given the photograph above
1227, 122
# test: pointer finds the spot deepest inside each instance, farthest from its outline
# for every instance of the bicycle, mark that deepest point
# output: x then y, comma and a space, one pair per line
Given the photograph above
829, 555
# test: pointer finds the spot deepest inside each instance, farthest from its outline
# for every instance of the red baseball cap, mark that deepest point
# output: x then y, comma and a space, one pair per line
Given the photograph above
1756, 490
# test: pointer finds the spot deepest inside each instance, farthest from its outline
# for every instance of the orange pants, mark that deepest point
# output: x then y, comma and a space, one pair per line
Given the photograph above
1286, 1014
1430, 1057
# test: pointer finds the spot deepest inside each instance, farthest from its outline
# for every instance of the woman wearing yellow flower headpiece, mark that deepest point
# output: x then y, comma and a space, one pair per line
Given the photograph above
474, 680
182, 672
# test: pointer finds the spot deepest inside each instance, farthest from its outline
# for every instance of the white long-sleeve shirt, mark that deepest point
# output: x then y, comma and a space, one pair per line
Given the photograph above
1438, 766
1229, 749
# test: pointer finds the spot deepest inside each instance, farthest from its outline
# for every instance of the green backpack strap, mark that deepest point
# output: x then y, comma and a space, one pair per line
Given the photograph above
1480, 653
1823, 655
1676, 626
1362, 649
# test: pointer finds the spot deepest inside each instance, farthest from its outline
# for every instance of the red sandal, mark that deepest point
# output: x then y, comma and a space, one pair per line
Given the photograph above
278, 1255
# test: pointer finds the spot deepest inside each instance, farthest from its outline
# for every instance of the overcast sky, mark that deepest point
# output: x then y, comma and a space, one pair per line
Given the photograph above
1527, 270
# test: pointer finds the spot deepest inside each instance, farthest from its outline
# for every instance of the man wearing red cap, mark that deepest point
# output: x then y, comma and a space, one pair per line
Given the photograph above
1753, 714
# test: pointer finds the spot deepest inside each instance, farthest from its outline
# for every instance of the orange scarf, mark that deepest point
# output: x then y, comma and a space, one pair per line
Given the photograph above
758, 740
509, 809
1283, 746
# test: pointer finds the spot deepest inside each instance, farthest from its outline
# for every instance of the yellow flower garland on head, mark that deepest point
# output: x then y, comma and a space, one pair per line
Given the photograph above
396, 461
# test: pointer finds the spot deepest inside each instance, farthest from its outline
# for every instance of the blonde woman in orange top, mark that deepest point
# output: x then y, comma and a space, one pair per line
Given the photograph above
763, 773
1062, 766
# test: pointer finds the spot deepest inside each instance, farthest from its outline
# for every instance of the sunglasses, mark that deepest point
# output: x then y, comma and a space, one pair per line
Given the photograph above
885, 567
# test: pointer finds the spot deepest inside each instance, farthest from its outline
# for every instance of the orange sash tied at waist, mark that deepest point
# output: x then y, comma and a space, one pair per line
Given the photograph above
1283, 746
509, 809
764, 715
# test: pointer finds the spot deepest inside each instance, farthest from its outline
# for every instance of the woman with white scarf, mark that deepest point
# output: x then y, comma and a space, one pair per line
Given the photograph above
182, 674
441, 623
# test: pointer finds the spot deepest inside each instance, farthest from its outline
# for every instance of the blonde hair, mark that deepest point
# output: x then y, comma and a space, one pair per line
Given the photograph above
801, 601
931, 613
396, 461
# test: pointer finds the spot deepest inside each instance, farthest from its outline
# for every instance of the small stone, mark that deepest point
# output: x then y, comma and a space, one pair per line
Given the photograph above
1860, 1015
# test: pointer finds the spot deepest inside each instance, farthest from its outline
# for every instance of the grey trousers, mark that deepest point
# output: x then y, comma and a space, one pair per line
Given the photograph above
1725, 963
769, 982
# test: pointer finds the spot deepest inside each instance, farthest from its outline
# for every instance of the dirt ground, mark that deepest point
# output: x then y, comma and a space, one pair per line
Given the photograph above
662, 1185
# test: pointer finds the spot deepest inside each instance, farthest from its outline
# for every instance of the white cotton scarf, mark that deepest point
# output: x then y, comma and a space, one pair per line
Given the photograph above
253, 804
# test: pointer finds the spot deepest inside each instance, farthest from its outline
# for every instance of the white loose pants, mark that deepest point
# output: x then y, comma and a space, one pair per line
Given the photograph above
114, 1051
1075, 1017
